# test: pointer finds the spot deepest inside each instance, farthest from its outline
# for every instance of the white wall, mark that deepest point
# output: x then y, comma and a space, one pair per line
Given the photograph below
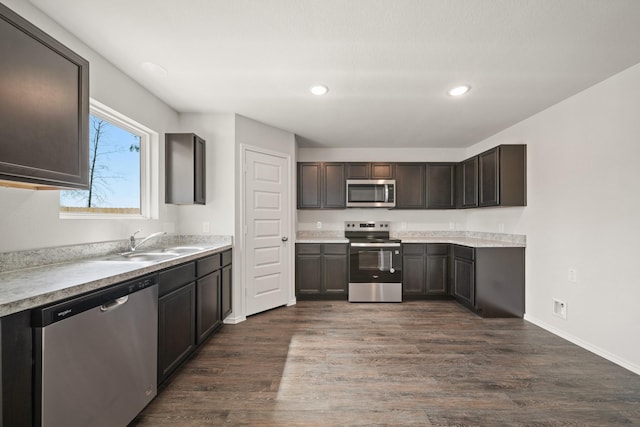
582, 213
251, 133
218, 130
28, 218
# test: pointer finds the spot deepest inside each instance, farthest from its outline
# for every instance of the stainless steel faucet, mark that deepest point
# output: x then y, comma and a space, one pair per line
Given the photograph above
132, 239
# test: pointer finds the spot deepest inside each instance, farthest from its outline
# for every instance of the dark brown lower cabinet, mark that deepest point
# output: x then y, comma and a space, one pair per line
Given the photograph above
425, 269
176, 328
16, 373
227, 288
193, 300
322, 270
490, 281
209, 315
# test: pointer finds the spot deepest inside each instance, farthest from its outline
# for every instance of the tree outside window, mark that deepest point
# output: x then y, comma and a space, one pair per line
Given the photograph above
114, 172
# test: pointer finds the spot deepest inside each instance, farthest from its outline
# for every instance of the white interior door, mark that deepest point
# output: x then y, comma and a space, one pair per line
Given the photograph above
267, 224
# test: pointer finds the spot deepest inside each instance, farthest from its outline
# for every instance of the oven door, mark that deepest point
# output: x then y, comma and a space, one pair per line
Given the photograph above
375, 263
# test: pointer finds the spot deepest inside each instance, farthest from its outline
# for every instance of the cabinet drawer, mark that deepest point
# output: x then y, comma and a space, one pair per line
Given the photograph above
464, 252
438, 249
308, 248
335, 248
413, 248
227, 256
209, 264
173, 278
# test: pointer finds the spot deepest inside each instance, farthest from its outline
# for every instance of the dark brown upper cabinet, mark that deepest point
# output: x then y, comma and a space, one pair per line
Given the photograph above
358, 170
377, 170
502, 176
44, 109
321, 185
441, 185
185, 169
410, 186
467, 183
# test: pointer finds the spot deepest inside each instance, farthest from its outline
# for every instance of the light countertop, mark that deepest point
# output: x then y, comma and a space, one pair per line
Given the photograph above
32, 287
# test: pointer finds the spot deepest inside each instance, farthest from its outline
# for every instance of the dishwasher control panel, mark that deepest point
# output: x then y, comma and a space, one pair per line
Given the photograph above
58, 311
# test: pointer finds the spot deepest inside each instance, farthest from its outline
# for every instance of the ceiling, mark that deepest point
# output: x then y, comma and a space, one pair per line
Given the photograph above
388, 63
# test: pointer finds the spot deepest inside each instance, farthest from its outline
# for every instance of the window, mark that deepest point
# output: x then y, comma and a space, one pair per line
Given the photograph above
120, 179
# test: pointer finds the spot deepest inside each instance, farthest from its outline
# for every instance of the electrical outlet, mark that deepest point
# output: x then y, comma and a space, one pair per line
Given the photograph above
560, 308
205, 227
501, 228
452, 226
573, 275
318, 225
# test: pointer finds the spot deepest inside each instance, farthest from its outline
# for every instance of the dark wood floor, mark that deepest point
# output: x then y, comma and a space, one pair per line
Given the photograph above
427, 363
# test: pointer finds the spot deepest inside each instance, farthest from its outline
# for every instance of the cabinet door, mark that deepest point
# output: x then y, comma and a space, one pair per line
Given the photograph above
437, 274
176, 328
463, 271
468, 183
358, 170
441, 185
410, 186
383, 170
309, 185
334, 186
200, 168
185, 170
227, 291
209, 314
308, 274
335, 273
488, 178
413, 268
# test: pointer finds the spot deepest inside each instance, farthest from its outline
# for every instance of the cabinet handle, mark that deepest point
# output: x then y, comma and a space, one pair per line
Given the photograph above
285, 238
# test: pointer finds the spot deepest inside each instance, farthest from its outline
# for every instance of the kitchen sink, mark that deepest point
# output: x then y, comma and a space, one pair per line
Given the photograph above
143, 256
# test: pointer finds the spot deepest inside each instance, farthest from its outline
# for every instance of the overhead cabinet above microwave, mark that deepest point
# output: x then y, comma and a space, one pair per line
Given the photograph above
44, 109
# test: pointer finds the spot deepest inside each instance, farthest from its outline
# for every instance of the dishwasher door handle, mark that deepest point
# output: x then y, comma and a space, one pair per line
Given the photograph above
112, 305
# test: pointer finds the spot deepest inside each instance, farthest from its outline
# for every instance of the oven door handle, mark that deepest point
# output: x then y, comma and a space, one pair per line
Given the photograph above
375, 245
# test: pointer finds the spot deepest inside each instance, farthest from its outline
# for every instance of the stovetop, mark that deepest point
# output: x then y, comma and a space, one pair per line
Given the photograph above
372, 240
368, 232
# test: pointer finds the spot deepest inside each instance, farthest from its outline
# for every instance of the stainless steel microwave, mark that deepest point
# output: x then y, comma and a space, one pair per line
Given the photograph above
371, 193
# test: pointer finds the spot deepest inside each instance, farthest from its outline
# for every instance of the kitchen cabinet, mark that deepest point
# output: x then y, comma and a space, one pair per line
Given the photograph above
44, 109
193, 298
441, 185
490, 281
410, 186
425, 269
371, 170
322, 270
185, 169
467, 183
227, 284
321, 185
502, 176
16, 373
209, 315
176, 317
463, 274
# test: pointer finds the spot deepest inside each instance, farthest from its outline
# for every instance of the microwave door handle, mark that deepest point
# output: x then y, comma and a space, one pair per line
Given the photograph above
386, 193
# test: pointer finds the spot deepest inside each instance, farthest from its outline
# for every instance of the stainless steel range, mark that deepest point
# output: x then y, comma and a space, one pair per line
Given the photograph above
375, 262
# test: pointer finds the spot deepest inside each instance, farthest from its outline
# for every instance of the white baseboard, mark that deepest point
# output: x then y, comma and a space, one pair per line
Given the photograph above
587, 346
234, 320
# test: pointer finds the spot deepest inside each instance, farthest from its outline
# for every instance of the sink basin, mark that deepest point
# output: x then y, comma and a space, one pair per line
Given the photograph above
183, 249
143, 256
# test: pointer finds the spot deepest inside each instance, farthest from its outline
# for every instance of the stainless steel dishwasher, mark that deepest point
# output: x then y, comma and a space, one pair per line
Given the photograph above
96, 356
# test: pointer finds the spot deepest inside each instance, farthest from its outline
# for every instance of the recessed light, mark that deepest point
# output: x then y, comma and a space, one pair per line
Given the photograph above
459, 90
319, 90
155, 69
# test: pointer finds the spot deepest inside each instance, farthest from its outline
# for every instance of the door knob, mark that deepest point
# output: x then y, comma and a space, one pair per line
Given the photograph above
285, 238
